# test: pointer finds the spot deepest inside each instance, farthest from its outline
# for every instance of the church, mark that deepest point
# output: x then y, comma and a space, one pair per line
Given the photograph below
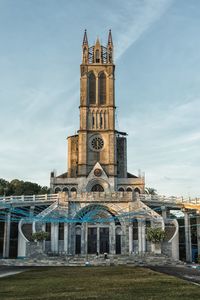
98, 206
100, 190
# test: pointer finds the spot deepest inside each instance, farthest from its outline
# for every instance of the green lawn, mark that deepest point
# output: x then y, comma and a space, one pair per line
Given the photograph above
96, 283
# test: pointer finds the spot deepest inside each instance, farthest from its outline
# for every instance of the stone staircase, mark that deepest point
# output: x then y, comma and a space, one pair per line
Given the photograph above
147, 259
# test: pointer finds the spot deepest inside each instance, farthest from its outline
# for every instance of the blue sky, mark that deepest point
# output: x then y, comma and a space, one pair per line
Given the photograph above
157, 56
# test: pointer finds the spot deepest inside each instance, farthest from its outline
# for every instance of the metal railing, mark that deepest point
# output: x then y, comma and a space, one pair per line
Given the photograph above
165, 199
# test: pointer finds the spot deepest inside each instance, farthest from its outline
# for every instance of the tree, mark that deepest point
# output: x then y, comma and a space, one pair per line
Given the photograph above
150, 191
4, 186
19, 187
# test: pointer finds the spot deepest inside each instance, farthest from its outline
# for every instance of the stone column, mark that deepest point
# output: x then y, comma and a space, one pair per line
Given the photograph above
123, 239
86, 238
198, 234
6, 239
66, 238
140, 236
54, 237
143, 236
44, 229
112, 239
164, 212
69, 238
98, 239
188, 244
83, 238
130, 238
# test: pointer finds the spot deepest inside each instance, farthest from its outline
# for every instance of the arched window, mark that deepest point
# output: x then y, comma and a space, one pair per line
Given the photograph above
97, 188
136, 190
73, 189
92, 88
57, 190
129, 189
121, 189
66, 190
102, 88
97, 56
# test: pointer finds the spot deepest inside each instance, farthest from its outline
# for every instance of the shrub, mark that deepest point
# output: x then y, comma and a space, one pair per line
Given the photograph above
155, 235
40, 236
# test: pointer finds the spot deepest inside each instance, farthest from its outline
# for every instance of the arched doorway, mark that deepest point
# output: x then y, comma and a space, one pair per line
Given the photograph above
98, 234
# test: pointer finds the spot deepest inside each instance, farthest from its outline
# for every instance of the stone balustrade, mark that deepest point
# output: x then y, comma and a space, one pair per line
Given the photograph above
97, 196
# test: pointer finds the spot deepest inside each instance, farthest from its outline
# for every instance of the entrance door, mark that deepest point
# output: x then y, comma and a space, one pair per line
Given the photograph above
78, 244
104, 240
118, 244
92, 240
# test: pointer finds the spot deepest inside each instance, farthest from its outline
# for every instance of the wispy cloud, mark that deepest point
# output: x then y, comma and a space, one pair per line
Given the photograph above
133, 18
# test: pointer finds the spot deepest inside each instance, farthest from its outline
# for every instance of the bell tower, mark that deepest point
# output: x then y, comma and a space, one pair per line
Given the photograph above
97, 153
96, 140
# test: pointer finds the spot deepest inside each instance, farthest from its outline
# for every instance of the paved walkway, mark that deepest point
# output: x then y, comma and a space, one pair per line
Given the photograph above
8, 271
183, 272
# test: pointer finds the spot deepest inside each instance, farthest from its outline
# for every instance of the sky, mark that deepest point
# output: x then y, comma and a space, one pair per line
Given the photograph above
157, 57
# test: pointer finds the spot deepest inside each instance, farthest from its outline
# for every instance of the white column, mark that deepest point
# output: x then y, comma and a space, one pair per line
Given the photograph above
143, 237
86, 238
139, 236
21, 246
112, 238
188, 244
6, 239
54, 237
66, 238
198, 234
98, 239
44, 229
164, 212
131, 239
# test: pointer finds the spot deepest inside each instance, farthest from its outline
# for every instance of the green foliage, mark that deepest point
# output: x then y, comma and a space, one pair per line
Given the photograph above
40, 236
19, 187
150, 191
155, 235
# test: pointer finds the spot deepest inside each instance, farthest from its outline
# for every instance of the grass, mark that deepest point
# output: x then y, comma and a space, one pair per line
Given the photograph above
118, 283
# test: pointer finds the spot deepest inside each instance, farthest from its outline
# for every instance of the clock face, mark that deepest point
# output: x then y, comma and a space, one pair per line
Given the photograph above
96, 143
97, 172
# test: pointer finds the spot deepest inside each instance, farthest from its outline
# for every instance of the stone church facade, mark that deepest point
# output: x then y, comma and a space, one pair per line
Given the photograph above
99, 189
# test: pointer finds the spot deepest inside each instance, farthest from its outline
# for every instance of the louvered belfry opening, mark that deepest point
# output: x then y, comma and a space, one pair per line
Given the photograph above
102, 89
92, 88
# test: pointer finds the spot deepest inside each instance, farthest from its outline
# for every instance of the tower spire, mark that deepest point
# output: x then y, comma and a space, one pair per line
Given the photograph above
85, 48
110, 42
85, 39
110, 48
